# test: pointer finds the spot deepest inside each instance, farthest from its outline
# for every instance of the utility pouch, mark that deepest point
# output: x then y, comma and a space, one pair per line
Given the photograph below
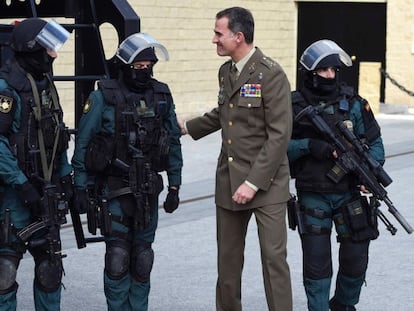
356, 215
99, 153
105, 220
361, 219
160, 159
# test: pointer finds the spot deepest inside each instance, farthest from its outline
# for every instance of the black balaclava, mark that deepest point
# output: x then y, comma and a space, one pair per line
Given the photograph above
321, 86
138, 79
36, 63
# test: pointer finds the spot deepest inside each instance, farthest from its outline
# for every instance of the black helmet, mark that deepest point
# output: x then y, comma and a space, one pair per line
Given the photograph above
24, 34
146, 54
332, 60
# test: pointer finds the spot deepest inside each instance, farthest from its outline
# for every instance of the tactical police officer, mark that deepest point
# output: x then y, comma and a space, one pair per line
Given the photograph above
322, 199
128, 133
35, 178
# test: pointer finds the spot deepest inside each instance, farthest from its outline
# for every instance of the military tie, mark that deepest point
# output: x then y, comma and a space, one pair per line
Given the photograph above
233, 74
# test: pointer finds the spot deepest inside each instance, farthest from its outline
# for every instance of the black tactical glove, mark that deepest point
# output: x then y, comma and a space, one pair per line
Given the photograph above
67, 187
80, 200
320, 149
28, 194
172, 200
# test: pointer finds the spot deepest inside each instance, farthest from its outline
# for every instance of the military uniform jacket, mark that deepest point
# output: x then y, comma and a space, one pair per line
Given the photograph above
256, 121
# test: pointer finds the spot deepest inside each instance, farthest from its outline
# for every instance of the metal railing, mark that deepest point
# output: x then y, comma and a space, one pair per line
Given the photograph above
393, 81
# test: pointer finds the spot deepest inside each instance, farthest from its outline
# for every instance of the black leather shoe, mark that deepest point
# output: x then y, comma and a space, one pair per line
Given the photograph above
336, 306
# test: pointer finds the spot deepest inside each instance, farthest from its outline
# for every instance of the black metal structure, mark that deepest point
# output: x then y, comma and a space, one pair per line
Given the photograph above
91, 63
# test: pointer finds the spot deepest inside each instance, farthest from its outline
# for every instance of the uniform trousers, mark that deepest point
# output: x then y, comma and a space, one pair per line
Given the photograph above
231, 233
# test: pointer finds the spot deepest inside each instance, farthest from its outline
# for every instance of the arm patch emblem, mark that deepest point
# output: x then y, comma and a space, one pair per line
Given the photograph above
87, 106
6, 104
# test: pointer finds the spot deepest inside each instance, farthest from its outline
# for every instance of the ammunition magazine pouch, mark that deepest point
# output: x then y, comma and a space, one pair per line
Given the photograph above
160, 159
99, 153
361, 218
99, 216
154, 142
49, 124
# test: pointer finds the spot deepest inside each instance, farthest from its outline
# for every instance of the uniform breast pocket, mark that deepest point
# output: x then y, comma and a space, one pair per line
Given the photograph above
252, 108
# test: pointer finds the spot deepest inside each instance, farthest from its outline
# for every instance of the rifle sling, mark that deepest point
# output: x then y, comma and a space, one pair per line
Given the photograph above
47, 169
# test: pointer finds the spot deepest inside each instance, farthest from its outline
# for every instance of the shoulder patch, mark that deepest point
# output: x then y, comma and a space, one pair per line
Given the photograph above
6, 104
87, 106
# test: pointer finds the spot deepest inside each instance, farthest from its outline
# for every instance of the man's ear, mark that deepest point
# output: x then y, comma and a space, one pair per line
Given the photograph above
239, 37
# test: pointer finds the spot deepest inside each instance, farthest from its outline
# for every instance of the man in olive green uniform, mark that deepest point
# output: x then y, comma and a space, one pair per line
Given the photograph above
252, 175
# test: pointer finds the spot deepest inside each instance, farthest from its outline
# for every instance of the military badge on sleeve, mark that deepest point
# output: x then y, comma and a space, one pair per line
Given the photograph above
87, 106
6, 104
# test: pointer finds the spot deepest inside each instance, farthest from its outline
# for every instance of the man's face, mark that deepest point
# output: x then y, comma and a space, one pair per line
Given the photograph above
327, 73
223, 38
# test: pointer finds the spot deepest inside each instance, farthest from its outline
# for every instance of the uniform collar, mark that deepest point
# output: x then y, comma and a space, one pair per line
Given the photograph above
241, 63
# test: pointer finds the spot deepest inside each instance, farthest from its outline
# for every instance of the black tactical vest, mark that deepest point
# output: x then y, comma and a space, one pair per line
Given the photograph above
42, 135
139, 122
310, 173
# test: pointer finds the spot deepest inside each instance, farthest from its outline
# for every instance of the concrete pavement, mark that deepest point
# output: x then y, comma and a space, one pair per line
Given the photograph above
184, 273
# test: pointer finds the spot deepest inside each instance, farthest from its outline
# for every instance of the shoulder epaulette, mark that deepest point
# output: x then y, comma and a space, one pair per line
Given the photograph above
268, 62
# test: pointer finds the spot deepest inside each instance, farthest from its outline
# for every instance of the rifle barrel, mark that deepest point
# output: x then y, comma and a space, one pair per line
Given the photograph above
403, 222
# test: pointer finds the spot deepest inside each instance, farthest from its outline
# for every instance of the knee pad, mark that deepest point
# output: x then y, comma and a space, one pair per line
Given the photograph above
353, 258
142, 260
317, 261
117, 259
8, 272
48, 275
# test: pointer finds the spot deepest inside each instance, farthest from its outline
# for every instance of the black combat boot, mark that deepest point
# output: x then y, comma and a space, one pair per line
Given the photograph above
334, 305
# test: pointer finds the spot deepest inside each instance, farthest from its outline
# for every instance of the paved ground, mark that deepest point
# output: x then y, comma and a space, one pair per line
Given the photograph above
184, 273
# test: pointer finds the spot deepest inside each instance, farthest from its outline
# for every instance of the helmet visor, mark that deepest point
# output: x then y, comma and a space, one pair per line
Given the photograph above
52, 36
319, 50
135, 44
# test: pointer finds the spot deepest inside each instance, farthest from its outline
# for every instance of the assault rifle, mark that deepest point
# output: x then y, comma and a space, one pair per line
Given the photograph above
353, 157
51, 214
141, 183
